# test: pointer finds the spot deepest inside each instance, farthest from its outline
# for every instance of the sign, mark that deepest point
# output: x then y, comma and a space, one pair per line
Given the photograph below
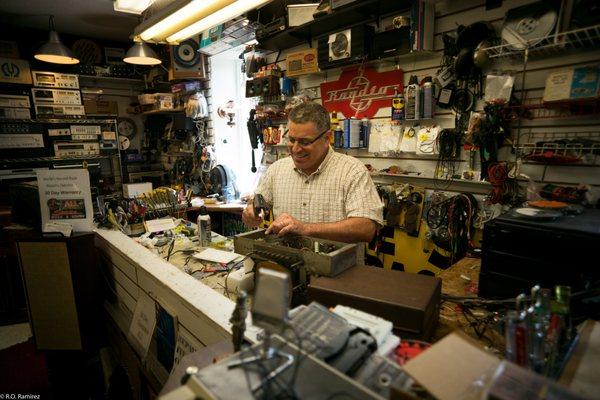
302, 62
65, 197
143, 323
361, 92
13, 70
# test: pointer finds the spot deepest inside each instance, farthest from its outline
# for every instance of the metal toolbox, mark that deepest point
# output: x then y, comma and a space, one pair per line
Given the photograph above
320, 256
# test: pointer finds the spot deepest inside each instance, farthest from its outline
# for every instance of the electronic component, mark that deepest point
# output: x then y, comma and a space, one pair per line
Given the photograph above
67, 149
409, 301
55, 80
319, 256
50, 110
13, 100
378, 327
55, 96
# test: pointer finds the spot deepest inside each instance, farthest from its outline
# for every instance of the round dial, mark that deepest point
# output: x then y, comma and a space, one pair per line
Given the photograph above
126, 127
124, 143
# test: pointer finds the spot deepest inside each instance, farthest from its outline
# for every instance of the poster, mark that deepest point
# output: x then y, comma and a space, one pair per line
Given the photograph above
65, 198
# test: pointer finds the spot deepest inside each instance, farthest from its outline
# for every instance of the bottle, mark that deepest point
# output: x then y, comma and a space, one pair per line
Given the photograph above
338, 135
204, 227
413, 99
428, 102
363, 141
397, 107
333, 124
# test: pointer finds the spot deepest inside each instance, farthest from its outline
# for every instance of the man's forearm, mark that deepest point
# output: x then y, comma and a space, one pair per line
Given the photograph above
350, 230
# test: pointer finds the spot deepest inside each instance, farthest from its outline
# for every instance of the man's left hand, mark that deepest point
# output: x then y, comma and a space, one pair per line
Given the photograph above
284, 224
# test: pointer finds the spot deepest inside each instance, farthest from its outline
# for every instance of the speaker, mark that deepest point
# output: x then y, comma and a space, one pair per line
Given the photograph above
264, 86
345, 47
186, 61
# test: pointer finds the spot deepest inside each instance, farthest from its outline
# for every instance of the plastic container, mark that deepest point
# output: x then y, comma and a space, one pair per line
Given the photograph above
204, 227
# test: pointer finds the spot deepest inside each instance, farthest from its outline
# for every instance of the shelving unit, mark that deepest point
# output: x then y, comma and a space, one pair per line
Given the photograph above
109, 158
575, 40
358, 12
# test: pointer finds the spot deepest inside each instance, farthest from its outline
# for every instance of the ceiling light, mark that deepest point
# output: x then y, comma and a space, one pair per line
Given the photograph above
177, 16
131, 6
223, 15
53, 51
181, 15
141, 54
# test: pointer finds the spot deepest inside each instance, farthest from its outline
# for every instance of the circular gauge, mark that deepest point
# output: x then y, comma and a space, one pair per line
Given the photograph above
126, 127
124, 143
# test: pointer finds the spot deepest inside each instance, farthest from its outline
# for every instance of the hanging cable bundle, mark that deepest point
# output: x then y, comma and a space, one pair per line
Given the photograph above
451, 223
448, 144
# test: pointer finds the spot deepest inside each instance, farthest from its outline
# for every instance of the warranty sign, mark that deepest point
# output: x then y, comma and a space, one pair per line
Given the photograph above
13, 70
361, 92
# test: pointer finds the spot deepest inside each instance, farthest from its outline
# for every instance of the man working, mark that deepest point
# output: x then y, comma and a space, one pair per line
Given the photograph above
316, 191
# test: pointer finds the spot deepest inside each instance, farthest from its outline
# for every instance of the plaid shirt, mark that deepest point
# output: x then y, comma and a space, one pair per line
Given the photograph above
340, 188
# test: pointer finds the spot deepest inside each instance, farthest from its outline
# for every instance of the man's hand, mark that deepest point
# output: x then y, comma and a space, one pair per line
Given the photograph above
285, 223
250, 218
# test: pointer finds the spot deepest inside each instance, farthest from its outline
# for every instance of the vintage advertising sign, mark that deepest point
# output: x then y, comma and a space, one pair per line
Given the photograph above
361, 92
13, 70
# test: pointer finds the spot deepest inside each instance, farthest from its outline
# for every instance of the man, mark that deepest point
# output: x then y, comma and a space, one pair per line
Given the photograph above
316, 191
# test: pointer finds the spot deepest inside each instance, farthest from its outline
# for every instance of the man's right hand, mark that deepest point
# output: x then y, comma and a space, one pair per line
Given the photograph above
250, 218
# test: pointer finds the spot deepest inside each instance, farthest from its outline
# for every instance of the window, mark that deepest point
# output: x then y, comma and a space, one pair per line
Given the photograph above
232, 142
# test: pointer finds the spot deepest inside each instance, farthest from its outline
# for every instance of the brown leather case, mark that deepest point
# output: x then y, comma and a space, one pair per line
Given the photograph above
410, 301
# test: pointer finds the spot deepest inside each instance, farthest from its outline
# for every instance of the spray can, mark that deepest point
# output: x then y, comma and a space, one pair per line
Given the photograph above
428, 102
397, 107
413, 99
338, 137
204, 227
363, 140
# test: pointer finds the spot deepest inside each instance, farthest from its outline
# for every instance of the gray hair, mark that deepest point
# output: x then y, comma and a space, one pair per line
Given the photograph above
310, 112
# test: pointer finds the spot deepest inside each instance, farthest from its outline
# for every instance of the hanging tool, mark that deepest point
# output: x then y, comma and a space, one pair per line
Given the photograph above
255, 135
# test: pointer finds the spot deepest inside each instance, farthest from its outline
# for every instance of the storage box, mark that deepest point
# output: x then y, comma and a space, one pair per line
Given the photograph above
409, 301
131, 190
300, 14
100, 107
302, 62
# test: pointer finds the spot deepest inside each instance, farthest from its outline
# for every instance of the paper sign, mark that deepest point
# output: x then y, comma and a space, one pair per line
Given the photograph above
215, 255
143, 323
65, 197
159, 225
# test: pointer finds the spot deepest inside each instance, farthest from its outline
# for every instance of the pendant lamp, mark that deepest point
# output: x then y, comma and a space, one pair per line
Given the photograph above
141, 54
53, 51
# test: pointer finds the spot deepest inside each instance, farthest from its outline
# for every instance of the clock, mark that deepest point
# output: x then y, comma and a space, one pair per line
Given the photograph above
126, 127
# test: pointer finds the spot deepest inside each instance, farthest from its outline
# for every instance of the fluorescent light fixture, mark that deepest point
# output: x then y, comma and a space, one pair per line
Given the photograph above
179, 15
223, 15
183, 19
131, 6
141, 54
53, 51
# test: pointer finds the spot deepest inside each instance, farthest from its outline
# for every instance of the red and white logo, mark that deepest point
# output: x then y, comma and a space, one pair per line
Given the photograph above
361, 92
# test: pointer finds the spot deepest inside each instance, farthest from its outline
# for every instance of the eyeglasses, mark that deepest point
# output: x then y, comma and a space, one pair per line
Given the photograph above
304, 142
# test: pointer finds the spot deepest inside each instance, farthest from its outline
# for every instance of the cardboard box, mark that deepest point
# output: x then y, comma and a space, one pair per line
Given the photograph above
100, 107
457, 368
300, 14
131, 190
302, 62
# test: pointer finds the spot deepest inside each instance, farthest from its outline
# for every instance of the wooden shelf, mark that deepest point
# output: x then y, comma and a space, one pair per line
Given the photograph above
153, 112
61, 121
358, 12
111, 79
